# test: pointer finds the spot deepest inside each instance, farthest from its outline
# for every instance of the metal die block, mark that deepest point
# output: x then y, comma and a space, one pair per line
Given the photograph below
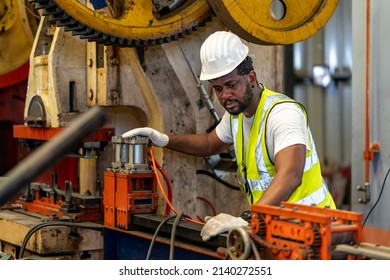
135, 193
142, 202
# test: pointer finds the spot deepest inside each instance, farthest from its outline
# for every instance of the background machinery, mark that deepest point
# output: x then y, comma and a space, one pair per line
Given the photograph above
122, 57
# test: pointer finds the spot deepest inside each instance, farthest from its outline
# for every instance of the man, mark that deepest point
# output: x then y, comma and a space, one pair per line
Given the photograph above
276, 156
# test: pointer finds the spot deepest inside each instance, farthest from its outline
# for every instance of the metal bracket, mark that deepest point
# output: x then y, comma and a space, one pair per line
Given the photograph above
366, 192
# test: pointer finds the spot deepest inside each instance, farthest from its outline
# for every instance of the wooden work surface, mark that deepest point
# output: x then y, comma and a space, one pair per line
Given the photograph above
49, 240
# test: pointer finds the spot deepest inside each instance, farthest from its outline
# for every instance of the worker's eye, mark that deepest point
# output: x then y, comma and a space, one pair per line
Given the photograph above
231, 86
217, 90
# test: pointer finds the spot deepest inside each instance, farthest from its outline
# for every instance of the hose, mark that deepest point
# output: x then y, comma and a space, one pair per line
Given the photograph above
169, 187
154, 167
212, 175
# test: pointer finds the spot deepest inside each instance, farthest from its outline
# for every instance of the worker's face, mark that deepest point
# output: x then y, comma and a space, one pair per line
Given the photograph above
233, 91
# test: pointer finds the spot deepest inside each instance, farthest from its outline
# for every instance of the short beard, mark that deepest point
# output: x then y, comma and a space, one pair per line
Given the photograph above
245, 103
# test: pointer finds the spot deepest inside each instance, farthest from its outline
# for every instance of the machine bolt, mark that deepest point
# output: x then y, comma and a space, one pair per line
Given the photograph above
114, 61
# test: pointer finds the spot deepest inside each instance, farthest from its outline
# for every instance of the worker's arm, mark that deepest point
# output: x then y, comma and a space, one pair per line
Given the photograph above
289, 167
194, 144
197, 144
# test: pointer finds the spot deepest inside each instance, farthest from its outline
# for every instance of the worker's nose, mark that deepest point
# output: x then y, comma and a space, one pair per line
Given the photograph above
225, 93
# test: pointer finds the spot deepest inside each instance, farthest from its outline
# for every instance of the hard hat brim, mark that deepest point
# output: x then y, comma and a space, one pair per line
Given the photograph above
204, 77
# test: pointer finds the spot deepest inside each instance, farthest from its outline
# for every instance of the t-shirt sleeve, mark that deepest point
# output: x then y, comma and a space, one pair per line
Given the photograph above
286, 126
223, 129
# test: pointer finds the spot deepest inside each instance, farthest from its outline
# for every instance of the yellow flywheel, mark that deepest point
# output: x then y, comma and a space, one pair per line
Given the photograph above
128, 22
274, 22
16, 34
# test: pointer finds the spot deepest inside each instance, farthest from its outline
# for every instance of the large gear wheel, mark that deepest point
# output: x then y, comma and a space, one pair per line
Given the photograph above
149, 22
274, 22
128, 23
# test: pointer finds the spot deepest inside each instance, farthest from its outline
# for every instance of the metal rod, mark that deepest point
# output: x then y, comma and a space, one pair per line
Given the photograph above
50, 152
200, 86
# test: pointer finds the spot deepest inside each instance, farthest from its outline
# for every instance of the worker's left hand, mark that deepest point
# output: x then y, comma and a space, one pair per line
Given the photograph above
157, 138
220, 223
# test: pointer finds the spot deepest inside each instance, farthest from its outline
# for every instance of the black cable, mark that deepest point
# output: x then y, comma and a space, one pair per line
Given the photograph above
155, 235
208, 173
52, 224
377, 201
173, 235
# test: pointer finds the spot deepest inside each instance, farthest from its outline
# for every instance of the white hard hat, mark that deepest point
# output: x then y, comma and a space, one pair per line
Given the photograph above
220, 54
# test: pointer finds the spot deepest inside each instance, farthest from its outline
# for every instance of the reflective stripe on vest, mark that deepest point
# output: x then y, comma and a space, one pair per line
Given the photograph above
260, 168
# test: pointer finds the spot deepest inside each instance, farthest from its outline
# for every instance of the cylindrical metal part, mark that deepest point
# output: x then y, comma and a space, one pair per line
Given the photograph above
68, 191
342, 238
130, 159
124, 154
139, 153
54, 179
88, 175
117, 152
41, 74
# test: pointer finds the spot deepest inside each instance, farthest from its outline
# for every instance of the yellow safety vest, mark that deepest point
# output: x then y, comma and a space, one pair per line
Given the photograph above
260, 171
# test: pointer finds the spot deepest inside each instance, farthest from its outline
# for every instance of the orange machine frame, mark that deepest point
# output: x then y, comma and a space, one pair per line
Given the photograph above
289, 230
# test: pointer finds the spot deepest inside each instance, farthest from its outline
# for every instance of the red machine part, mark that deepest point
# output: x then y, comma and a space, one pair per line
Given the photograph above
52, 203
11, 113
66, 170
15, 77
104, 134
68, 167
294, 231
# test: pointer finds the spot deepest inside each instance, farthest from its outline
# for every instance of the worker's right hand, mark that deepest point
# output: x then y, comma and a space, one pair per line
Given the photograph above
219, 224
157, 138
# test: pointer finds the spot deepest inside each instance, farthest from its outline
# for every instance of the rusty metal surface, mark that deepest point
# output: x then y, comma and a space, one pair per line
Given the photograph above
58, 240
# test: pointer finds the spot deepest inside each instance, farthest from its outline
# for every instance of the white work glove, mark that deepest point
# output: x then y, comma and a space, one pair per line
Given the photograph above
220, 223
158, 139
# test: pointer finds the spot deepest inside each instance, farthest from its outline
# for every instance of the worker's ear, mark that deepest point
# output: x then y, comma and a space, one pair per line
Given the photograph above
252, 77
